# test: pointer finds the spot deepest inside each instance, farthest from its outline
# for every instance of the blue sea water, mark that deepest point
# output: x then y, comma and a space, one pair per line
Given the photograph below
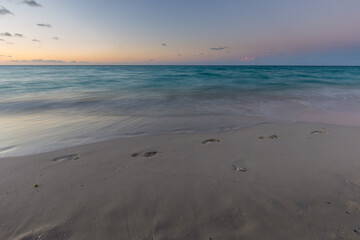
43, 108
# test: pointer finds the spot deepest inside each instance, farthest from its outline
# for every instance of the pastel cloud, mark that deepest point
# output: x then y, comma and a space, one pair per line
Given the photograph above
5, 34
44, 25
4, 11
32, 3
247, 59
45, 61
218, 48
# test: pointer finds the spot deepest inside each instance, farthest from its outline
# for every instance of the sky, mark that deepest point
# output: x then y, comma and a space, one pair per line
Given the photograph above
230, 32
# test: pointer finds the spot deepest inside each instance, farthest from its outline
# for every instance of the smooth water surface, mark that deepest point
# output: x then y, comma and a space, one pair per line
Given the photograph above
49, 107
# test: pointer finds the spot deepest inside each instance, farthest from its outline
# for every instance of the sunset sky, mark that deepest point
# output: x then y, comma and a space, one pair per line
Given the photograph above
306, 32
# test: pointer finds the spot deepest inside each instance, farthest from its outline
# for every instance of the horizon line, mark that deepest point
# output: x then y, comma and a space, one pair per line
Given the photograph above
237, 65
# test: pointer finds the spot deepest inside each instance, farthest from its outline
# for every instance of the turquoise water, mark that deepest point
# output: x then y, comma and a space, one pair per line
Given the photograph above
48, 107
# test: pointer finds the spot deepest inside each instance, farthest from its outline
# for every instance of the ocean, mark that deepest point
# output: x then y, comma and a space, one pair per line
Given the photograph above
44, 108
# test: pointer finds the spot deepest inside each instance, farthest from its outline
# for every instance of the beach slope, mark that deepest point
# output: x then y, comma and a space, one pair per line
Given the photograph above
271, 181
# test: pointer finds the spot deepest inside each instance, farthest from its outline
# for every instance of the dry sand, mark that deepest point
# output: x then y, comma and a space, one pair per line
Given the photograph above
295, 185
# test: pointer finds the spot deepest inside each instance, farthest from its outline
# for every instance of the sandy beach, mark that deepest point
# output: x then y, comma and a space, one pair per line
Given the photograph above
271, 181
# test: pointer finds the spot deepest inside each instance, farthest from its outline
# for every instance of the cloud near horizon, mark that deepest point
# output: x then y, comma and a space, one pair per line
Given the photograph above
218, 48
44, 25
36, 40
247, 59
6, 34
5, 11
32, 3
164, 44
18, 35
45, 61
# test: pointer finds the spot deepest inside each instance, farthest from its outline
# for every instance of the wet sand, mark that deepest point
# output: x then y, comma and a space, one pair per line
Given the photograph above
272, 181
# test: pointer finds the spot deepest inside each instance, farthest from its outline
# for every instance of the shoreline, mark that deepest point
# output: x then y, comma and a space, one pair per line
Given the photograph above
180, 133
249, 184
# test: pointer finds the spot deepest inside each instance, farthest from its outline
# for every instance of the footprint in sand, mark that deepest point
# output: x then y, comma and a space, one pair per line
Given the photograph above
318, 132
67, 158
212, 140
352, 206
145, 154
238, 166
270, 137
46, 231
239, 169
